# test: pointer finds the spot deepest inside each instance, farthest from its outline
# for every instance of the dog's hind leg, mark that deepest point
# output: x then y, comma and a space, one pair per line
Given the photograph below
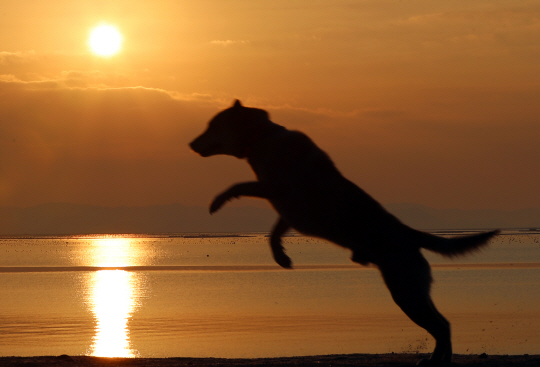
408, 278
275, 244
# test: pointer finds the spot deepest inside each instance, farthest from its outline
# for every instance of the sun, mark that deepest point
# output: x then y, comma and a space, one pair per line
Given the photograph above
105, 40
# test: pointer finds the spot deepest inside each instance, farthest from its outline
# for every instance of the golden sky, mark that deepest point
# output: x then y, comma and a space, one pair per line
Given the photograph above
428, 102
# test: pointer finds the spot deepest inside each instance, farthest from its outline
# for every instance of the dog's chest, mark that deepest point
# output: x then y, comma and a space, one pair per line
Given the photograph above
280, 172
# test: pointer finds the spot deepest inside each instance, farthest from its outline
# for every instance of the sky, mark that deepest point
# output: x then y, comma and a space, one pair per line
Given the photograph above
429, 102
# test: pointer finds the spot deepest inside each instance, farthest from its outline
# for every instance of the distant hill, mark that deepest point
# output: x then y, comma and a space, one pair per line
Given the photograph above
61, 218
84, 219
423, 217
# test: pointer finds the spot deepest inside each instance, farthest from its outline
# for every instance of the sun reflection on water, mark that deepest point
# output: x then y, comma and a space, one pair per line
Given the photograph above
113, 303
112, 252
113, 297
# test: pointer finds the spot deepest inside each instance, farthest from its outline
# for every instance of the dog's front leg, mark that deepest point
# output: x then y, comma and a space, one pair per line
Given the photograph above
275, 244
253, 189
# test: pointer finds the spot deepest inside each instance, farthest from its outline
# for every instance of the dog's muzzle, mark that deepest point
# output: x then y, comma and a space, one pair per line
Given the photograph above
203, 149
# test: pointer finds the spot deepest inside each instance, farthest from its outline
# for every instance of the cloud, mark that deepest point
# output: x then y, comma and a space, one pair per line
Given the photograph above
10, 58
480, 23
8, 78
89, 143
76, 78
226, 43
57, 114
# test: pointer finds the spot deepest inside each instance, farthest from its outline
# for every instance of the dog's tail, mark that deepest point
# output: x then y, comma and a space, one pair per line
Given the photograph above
456, 246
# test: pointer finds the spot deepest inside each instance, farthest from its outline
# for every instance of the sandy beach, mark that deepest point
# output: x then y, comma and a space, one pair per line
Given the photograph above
381, 360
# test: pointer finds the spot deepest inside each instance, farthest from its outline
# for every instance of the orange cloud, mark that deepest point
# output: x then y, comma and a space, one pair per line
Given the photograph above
229, 42
63, 144
8, 58
128, 146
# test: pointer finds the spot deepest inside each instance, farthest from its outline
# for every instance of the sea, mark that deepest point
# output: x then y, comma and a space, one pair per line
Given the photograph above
221, 295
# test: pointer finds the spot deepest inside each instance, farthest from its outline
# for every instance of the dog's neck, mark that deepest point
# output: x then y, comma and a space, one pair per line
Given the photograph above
251, 141
257, 135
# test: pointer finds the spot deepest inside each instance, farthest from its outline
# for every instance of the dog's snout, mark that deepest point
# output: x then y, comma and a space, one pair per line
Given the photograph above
195, 145
204, 146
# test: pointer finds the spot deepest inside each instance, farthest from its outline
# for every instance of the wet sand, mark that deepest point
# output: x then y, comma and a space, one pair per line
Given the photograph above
380, 360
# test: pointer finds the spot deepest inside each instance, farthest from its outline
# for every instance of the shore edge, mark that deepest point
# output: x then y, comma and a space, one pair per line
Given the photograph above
384, 360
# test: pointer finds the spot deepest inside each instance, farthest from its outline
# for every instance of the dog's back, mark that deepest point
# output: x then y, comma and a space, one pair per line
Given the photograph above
315, 198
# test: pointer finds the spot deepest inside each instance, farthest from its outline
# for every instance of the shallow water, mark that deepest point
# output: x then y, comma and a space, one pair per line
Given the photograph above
224, 297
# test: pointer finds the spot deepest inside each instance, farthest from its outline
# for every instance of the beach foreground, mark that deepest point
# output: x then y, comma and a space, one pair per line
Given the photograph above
329, 360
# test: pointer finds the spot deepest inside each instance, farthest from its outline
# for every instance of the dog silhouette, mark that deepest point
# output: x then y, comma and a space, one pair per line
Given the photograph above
311, 196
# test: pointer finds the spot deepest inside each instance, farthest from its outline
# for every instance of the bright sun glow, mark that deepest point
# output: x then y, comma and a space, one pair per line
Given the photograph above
105, 40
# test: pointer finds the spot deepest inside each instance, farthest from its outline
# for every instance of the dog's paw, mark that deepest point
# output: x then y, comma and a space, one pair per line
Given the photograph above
283, 260
214, 207
218, 202
361, 257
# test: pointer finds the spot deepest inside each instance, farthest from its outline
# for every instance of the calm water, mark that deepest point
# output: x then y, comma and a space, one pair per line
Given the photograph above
224, 297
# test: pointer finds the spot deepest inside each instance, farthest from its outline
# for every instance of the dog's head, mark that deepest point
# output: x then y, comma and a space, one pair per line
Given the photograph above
231, 132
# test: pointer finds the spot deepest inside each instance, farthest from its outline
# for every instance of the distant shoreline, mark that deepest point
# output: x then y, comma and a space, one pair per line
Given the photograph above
368, 360
61, 269
210, 235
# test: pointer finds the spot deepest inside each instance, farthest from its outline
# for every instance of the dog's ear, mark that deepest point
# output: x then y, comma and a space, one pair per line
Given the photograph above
237, 104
